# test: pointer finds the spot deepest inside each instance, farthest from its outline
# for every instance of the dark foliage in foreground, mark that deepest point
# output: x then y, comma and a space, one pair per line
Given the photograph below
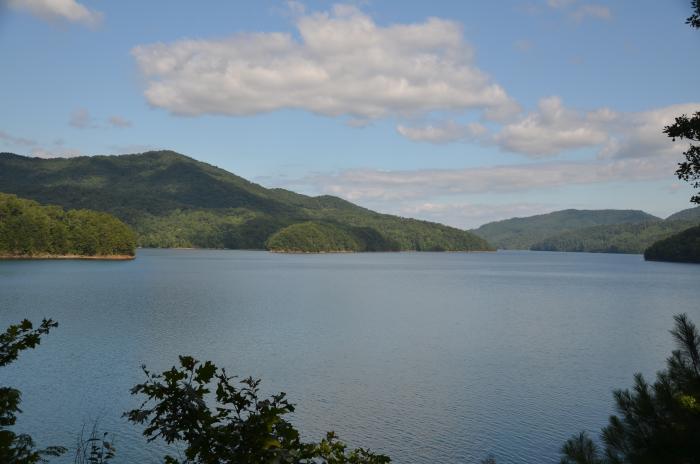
19, 448
688, 128
240, 428
657, 423
694, 19
97, 448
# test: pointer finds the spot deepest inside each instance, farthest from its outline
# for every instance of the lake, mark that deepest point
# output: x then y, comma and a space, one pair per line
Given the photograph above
427, 357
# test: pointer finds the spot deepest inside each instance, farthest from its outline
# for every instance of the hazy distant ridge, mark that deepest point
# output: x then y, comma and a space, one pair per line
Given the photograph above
598, 231
523, 233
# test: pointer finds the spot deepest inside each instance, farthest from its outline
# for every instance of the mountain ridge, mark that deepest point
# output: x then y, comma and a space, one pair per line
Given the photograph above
523, 232
617, 231
173, 200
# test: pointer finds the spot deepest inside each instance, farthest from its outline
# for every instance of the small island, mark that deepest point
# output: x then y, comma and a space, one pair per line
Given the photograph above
29, 230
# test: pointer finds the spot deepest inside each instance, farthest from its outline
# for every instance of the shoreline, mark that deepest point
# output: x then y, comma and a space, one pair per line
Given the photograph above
65, 257
291, 252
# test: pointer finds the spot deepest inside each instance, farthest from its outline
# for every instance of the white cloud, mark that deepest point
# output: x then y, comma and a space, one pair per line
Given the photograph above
550, 130
368, 184
640, 135
553, 129
443, 132
343, 65
118, 121
66, 10
447, 195
592, 11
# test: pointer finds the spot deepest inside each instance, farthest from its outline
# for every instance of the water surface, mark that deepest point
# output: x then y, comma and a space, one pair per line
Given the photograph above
428, 357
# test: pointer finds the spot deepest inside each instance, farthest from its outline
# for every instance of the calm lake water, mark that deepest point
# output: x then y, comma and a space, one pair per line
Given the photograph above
428, 357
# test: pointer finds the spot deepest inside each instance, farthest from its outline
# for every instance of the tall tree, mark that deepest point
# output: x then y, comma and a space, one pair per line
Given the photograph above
657, 423
19, 448
688, 128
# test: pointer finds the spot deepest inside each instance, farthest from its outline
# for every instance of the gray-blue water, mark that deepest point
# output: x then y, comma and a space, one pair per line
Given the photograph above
428, 357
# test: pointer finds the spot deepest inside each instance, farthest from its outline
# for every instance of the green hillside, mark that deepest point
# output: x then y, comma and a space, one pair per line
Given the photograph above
175, 201
28, 229
690, 214
615, 238
523, 233
313, 237
683, 247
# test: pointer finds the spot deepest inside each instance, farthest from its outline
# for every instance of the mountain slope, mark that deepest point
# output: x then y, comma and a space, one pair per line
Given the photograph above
615, 238
523, 233
683, 247
175, 201
690, 214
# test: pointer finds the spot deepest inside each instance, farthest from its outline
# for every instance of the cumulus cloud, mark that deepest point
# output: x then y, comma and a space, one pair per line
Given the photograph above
553, 128
639, 135
550, 130
118, 121
344, 64
65, 10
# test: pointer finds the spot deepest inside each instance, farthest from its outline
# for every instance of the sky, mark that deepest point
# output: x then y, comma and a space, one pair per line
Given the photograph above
460, 112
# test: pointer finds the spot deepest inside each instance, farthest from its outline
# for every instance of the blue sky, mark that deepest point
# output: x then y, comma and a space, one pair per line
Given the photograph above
458, 112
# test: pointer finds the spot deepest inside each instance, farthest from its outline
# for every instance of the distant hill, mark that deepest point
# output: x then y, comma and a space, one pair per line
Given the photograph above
614, 238
30, 230
682, 247
523, 233
690, 214
172, 200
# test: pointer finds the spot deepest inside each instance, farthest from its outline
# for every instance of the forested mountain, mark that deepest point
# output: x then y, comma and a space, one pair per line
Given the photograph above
28, 229
175, 201
690, 214
682, 247
615, 238
523, 233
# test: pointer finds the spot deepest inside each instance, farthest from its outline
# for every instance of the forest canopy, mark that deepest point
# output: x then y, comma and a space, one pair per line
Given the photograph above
172, 200
28, 229
683, 247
